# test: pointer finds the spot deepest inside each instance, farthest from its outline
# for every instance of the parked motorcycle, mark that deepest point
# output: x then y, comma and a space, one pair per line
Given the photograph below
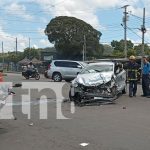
34, 74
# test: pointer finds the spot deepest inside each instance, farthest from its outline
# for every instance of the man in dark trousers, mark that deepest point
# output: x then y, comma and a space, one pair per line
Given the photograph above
132, 73
146, 77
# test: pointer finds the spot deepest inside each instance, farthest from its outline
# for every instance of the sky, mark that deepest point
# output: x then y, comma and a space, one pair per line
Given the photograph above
27, 19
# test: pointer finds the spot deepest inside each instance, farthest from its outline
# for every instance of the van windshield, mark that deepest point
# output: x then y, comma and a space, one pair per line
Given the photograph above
97, 68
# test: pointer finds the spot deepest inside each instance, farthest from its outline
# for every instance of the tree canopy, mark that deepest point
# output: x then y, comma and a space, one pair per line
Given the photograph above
119, 45
68, 34
31, 52
138, 49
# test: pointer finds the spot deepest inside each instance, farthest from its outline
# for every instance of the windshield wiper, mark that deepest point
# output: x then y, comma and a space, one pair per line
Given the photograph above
97, 70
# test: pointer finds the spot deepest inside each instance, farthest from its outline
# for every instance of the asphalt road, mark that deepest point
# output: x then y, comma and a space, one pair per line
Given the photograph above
121, 126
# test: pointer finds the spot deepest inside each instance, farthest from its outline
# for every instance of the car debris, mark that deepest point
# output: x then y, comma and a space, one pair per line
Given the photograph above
31, 124
98, 82
84, 144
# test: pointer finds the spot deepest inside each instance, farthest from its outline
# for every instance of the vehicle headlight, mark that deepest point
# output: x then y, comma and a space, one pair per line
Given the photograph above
75, 84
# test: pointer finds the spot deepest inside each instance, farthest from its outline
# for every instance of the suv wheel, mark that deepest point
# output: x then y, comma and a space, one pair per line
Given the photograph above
57, 77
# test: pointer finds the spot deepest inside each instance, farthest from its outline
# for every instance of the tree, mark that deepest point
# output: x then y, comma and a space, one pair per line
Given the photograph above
119, 45
138, 49
131, 52
108, 50
32, 52
69, 34
13, 57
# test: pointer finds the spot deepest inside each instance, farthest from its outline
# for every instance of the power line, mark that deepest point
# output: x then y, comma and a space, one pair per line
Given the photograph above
19, 20
134, 32
136, 17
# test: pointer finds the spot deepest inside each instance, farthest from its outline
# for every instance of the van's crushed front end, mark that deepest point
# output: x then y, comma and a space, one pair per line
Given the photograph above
93, 87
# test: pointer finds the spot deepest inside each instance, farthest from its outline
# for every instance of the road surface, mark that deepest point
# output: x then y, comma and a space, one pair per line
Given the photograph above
121, 126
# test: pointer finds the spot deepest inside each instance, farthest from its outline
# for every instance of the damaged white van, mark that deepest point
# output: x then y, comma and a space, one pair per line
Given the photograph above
101, 81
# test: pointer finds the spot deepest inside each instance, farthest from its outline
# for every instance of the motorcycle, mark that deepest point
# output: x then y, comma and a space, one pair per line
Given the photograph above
34, 74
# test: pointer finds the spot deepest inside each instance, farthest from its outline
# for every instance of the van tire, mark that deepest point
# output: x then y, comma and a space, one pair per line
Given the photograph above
57, 77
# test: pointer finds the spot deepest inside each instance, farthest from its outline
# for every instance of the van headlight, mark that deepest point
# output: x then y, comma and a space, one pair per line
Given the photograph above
75, 84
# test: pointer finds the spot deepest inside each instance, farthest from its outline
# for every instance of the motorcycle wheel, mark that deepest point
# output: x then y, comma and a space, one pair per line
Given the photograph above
37, 76
26, 77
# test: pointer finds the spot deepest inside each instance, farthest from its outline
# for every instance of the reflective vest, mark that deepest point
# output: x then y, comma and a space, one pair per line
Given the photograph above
132, 71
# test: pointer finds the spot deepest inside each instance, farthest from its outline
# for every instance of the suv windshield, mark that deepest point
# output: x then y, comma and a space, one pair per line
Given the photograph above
97, 68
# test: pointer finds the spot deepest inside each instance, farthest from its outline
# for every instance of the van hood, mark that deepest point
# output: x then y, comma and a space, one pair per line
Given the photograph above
93, 79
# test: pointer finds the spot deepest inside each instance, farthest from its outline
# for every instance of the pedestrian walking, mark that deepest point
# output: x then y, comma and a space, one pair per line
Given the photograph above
146, 77
132, 75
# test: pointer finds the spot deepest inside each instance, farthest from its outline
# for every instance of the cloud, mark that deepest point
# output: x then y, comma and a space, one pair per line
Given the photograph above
9, 41
76, 8
41, 31
46, 43
35, 46
87, 9
18, 10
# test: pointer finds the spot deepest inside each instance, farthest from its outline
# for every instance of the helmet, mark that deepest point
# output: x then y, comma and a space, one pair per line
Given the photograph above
132, 57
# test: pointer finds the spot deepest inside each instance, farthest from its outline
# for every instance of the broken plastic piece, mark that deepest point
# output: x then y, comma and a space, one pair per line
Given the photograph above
84, 144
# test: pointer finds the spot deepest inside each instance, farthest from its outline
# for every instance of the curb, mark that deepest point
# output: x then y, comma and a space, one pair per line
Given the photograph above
4, 74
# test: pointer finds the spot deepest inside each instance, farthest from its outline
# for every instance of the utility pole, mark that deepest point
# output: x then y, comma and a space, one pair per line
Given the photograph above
2, 56
16, 45
29, 49
143, 30
125, 19
83, 58
29, 43
85, 47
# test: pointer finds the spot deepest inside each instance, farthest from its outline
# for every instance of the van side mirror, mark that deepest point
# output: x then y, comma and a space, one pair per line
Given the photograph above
80, 67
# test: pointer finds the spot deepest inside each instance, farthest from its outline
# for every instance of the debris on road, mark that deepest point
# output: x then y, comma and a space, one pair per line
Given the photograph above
31, 124
17, 85
84, 144
15, 118
124, 107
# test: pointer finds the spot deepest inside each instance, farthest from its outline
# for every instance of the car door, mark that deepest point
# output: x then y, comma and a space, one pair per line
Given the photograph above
65, 69
75, 68
121, 80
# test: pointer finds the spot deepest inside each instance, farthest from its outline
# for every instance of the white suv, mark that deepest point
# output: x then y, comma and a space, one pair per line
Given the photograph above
64, 70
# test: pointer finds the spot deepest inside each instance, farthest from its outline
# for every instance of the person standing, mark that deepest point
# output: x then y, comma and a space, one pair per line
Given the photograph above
132, 75
146, 77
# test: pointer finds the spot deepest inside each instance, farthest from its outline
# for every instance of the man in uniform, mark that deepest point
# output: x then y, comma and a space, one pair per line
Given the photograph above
146, 77
132, 72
